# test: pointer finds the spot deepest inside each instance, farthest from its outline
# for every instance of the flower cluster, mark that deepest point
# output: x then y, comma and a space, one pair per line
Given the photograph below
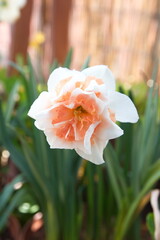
10, 10
80, 111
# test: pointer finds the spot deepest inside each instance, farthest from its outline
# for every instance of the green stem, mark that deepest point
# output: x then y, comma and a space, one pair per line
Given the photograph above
51, 223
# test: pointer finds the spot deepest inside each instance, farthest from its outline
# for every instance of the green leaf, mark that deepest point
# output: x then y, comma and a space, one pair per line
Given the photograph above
11, 101
18, 68
11, 206
68, 60
54, 66
16, 154
86, 63
130, 214
7, 192
150, 224
32, 84
116, 176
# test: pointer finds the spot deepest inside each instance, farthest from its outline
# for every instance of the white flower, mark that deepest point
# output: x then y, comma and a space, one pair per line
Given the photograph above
10, 10
80, 111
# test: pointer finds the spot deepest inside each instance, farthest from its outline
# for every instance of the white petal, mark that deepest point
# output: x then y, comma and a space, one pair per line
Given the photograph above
40, 104
88, 135
57, 75
21, 3
108, 130
56, 142
17, 3
96, 155
76, 134
102, 72
43, 122
123, 107
9, 14
93, 85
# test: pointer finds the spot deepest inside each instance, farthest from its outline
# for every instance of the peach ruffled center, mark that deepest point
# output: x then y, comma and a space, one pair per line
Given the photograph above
72, 124
74, 115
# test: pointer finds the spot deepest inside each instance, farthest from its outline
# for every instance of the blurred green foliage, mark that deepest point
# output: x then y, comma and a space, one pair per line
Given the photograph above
79, 200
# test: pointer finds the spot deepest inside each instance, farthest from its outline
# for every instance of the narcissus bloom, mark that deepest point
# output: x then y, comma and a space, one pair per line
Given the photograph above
37, 40
10, 10
80, 111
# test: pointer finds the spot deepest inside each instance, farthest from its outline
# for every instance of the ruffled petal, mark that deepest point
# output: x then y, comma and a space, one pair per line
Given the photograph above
87, 96
78, 78
96, 155
49, 116
108, 130
88, 135
57, 76
123, 107
101, 72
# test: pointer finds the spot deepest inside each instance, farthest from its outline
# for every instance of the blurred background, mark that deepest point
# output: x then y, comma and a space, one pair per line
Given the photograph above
121, 34
54, 194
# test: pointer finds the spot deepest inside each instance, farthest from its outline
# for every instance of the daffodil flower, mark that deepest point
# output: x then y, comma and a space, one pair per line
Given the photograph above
80, 109
10, 10
37, 40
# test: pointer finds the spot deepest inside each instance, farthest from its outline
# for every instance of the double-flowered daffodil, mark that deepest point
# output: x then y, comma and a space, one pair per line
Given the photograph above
80, 109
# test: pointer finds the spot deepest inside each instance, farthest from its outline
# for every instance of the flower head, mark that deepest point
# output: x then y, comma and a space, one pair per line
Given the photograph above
10, 10
37, 40
80, 111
